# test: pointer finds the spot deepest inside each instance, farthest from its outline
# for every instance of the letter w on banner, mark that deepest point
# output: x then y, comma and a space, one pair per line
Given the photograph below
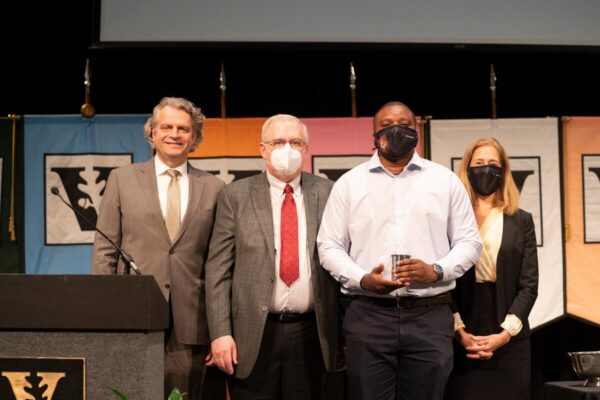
75, 155
532, 145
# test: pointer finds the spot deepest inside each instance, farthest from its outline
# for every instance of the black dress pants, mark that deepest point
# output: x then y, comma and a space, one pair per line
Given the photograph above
289, 365
397, 353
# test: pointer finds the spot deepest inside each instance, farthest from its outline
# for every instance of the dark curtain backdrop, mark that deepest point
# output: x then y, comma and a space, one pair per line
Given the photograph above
47, 44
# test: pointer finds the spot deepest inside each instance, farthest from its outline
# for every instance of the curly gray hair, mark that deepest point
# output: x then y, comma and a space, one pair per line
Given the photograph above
178, 103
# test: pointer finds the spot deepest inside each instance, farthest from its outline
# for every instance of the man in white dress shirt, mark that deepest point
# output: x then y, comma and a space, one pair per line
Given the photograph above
398, 327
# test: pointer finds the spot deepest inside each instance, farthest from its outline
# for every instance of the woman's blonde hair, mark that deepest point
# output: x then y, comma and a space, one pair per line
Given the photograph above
507, 195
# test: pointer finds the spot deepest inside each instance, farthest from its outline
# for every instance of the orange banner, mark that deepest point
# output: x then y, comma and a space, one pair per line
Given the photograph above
581, 140
230, 137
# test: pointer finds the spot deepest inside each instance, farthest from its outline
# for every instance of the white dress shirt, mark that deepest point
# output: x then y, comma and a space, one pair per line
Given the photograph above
371, 214
163, 180
297, 298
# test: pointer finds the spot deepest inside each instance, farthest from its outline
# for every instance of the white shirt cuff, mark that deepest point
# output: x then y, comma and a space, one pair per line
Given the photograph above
512, 324
458, 322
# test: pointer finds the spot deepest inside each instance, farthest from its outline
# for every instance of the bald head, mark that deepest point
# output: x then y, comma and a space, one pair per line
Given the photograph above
283, 119
394, 113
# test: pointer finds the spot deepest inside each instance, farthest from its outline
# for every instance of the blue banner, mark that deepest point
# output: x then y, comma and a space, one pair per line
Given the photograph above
75, 156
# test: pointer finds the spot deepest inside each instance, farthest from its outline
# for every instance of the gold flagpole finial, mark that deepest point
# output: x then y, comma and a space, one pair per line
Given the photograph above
353, 90
493, 91
87, 109
223, 89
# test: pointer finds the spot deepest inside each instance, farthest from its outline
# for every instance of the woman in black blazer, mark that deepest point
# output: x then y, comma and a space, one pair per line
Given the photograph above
493, 299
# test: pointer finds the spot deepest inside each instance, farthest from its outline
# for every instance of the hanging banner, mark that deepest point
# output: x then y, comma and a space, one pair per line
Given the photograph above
229, 149
75, 156
533, 149
581, 155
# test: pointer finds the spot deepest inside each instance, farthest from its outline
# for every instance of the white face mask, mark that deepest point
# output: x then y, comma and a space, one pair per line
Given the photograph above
286, 160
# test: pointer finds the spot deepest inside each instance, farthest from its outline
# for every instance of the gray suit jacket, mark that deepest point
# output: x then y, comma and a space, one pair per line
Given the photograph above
130, 215
240, 271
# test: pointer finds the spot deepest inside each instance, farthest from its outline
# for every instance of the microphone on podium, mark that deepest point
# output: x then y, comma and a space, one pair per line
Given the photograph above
126, 257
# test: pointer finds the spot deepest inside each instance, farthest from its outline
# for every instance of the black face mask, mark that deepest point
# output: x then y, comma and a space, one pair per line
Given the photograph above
400, 140
485, 179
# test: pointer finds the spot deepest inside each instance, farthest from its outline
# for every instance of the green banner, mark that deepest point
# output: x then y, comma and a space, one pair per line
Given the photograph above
11, 192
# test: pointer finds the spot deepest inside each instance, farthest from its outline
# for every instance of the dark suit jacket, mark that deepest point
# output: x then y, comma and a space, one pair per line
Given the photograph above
130, 215
240, 271
516, 275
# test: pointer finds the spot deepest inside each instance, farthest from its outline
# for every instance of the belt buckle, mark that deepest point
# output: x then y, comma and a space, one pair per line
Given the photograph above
403, 303
287, 317
398, 305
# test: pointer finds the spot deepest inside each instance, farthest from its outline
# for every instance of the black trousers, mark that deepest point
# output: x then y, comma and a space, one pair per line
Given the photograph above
507, 375
289, 365
395, 353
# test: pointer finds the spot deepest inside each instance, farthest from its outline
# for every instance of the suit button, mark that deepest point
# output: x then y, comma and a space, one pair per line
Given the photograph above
167, 286
264, 308
171, 251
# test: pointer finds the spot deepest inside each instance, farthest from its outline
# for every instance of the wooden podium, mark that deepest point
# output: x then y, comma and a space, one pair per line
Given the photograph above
115, 322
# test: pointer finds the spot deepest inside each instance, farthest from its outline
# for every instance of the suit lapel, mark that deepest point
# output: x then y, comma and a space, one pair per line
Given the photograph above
260, 197
194, 199
311, 208
149, 189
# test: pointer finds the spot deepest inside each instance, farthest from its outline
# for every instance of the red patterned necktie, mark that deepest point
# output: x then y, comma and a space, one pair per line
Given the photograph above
288, 266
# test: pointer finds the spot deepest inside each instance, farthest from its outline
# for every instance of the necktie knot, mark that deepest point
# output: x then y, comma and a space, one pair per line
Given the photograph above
173, 173
288, 189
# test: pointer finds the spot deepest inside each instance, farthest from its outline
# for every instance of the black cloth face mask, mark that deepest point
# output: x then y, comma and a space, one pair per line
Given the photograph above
485, 179
400, 140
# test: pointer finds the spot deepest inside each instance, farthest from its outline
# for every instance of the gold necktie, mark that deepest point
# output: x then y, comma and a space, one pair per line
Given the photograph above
173, 218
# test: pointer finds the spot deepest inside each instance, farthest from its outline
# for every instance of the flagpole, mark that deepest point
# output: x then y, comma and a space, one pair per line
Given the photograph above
493, 91
11, 215
87, 109
223, 88
424, 123
353, 90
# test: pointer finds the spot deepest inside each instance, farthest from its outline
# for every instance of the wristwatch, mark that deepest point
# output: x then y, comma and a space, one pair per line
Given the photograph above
437, 268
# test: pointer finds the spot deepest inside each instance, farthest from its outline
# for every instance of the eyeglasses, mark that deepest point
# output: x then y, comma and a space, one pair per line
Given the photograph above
280, 143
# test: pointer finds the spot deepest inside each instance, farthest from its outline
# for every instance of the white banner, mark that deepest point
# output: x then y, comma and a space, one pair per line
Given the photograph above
532, 145
80, 179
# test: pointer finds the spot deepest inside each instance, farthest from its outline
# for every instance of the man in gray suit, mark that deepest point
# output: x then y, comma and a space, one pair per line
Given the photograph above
161, 211
272, 310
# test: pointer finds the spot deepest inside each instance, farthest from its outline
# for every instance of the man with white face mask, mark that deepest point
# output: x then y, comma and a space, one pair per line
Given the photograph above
272, 309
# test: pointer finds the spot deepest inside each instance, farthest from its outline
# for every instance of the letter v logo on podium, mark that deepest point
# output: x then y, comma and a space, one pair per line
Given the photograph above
22, 384
42, 378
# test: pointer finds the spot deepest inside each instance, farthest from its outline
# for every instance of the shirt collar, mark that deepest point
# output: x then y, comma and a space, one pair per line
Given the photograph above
416, 162
279, 185
160, 167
